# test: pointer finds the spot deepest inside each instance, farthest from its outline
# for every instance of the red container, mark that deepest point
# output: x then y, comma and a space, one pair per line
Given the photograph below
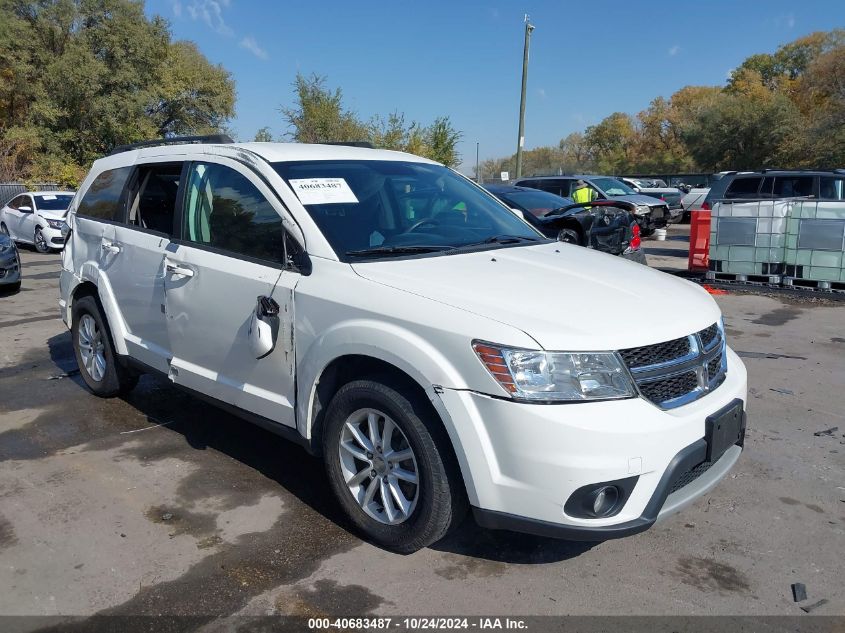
699, 240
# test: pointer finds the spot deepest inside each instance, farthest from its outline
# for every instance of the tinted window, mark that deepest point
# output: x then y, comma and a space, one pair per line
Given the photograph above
53, 202
831, 188
102, 201
16, 202
743, 187
225, 210
766, 189
153, 197
612, 187
537, 202
793, 186
557, 187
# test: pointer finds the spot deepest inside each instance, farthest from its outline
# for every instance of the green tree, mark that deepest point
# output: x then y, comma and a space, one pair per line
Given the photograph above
441, 140
320, 116
264, 135
612, 143
81, 76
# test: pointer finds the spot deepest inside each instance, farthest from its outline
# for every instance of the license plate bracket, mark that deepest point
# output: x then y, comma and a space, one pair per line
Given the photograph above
723, 429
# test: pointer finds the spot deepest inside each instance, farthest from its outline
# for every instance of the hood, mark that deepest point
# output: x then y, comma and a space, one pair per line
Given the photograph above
638, 198
565, 297
53, 215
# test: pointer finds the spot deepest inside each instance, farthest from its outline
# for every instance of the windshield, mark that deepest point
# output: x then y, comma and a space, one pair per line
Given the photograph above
396, 207
57, 202
537, 202
612, 187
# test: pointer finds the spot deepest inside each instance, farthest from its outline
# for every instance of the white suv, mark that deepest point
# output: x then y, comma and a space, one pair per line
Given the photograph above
398, 321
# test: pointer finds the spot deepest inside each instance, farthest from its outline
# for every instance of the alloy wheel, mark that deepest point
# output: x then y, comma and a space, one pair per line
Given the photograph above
41, 243
91, 348
379, 466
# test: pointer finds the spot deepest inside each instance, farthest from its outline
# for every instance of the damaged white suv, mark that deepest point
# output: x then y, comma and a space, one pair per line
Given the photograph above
401, 323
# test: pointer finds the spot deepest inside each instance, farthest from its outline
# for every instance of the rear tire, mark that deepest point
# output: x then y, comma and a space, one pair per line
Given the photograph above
433, 505
94, 351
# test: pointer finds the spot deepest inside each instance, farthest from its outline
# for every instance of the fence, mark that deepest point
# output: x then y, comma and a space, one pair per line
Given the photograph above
9, 190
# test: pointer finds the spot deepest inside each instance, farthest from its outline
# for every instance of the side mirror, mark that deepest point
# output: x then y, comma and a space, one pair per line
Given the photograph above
264, 327
518, 213
25, 209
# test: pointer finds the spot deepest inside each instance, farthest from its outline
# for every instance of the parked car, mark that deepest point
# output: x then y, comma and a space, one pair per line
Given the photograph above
36, 218
395, 319
651, 213
771, 183
693, 199
658, 189
10, 265
603, 224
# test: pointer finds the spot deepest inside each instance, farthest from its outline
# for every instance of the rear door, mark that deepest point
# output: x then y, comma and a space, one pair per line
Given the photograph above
26, 223
230, 252
134, 251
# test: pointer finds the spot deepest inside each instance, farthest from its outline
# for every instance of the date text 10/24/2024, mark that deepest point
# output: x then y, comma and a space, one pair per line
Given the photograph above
417, 623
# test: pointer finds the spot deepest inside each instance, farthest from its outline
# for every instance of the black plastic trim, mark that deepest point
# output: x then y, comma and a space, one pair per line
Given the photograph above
686, 459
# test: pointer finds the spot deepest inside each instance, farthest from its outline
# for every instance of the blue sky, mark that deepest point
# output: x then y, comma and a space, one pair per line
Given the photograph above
463, 59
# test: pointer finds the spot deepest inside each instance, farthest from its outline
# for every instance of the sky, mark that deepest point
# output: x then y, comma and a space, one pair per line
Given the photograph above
464, 59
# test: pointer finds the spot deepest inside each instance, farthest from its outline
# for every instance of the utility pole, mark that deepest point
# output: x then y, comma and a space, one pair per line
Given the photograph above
521, 142
477, 170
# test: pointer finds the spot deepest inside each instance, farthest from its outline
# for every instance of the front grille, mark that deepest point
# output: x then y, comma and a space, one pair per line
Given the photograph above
690, 476
679, 371
709, 335
646, 355
670, 388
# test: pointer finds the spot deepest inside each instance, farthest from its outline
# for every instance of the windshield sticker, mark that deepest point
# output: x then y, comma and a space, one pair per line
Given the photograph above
48, 197
323, 191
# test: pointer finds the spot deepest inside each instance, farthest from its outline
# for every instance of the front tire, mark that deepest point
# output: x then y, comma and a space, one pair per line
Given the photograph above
391, 466
40, 242
94, 351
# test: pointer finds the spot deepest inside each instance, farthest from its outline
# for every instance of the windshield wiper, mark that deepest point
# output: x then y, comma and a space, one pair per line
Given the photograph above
384, 251
497, 239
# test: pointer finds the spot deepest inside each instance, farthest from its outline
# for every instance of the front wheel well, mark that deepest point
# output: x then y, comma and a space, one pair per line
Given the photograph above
345, 369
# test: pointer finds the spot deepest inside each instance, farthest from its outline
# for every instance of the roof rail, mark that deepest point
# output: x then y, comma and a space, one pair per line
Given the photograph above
364, 144
173, 140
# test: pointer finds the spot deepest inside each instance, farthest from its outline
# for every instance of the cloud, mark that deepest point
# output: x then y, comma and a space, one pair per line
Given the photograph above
250, 44
674, 50
210, 12
177, 8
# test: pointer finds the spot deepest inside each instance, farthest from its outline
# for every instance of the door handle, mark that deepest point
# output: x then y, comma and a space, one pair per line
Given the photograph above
175, 269
110, 247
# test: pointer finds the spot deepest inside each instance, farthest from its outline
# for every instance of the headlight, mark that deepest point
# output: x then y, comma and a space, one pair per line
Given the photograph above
55, 224
558, 376
642, 209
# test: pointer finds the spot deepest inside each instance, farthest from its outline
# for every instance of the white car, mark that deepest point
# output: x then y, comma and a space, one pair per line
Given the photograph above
36, 218
394, 318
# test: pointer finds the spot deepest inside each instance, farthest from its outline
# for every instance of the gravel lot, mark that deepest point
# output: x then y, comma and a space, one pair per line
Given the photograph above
159, 503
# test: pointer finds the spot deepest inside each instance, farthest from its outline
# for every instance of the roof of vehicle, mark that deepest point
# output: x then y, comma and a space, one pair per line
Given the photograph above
567, 176
271, 152
789, 172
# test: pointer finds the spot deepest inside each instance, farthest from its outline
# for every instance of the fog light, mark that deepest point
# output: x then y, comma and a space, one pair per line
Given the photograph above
604, 500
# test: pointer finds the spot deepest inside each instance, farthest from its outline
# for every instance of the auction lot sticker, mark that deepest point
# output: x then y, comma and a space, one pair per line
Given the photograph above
323, 191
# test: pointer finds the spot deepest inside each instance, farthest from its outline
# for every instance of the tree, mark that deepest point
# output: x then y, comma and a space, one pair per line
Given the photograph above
264, 135
194, 96
612, 143
320, 116
81, 76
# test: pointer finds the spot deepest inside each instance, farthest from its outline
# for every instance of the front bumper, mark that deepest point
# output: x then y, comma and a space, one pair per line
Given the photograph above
522, 462
53, 236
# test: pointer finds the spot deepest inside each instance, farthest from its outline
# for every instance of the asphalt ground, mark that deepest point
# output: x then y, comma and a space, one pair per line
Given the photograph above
158, 503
